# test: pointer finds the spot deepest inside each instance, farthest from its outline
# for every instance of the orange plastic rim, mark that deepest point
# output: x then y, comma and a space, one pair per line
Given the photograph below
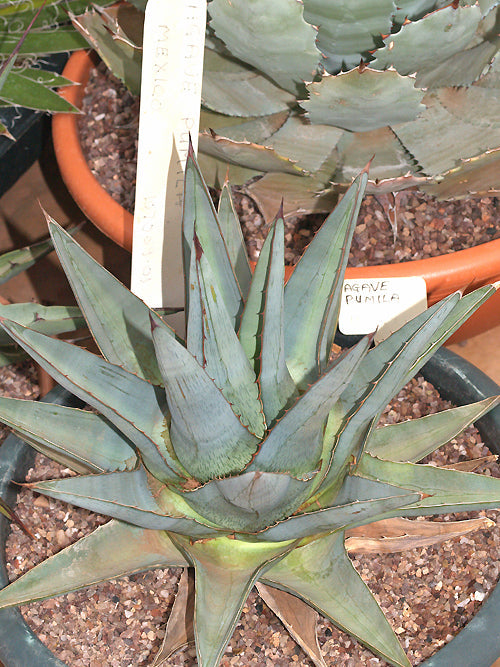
95, 202
461, 270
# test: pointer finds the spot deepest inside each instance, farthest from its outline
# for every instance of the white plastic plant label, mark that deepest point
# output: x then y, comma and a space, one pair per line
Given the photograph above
380, 305
172, 69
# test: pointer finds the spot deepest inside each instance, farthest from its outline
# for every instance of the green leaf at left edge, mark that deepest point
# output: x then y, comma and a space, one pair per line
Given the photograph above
134, 497
225, 572
82, 440
119, 321
415, 438
446, 490
50, 320
19, 90
311, 318
224, 359
16, 261
322, 575
42, 42
208, 438
113, 550
111, 390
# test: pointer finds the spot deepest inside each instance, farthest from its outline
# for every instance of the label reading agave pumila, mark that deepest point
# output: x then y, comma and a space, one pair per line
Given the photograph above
172, 69
380, 305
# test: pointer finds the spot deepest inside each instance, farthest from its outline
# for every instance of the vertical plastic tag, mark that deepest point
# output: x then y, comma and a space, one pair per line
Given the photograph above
172, 70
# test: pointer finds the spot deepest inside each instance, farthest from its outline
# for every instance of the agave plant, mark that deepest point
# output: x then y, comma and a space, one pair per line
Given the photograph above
28, 32
298, 96
244, 452
51, 320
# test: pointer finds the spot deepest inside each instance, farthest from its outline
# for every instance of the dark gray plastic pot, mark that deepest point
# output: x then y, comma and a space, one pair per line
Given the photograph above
477, 644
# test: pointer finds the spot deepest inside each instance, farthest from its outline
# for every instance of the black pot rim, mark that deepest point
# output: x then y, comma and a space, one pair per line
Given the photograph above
455, 378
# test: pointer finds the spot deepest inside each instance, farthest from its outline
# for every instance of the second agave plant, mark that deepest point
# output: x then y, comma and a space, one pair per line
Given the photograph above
243, 453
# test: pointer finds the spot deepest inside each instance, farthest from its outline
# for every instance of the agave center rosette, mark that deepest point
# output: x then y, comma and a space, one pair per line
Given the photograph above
244, 452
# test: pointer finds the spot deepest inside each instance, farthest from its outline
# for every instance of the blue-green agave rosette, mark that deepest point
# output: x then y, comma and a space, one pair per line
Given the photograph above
244, 453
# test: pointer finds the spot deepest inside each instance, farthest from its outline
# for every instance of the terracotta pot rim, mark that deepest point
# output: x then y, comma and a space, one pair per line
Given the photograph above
107, 214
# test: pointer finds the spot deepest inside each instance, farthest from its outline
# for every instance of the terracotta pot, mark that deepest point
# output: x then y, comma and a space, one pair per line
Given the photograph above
462, 270
456, 379
95, 202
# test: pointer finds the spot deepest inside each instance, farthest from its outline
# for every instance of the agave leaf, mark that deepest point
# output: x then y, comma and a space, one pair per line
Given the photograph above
15, 262
414, 439
51, 320
251, 501
305, 194
110, 389
247, 154
119, 321
231, 87
322, 575
249, 29
436, 37
224, 359
311, 320
431, 328
19, 90
348, 443
390, 159
233, 236
39, 42
392, 535
4, 132
460, 69
306, 144
298, 618
113, 550
180, 629
445, 490
415, 9
250, 333
51, 79
359, 503
276, 385
82, 440
12, 516
225, 572
380, 355
363, 99
198, 207
216, 171
134, 497
47, 14
466, 111
256, 130
474, 176
473, 464
102, 30
348, 31
208, 438
295, 444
